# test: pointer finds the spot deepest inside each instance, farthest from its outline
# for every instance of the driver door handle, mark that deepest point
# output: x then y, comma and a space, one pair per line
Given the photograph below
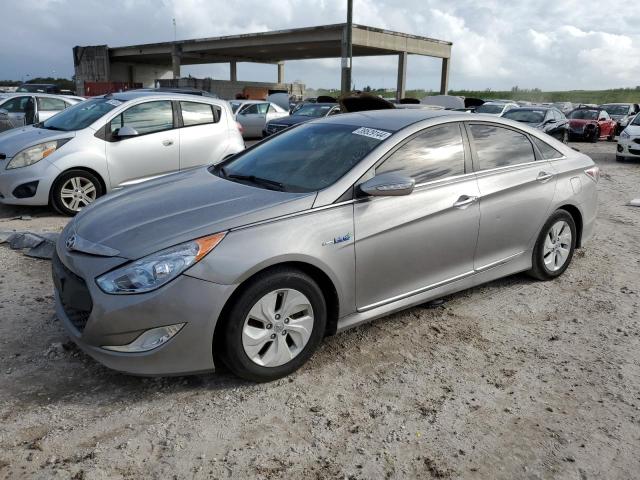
544, 176
167, 143
464, 201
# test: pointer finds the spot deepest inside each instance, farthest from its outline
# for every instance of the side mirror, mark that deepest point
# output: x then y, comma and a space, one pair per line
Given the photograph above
602, 119
388, 185
126, 132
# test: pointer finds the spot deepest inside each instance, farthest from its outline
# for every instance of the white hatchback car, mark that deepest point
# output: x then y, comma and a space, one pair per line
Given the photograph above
629, 142
18, 109
253, 115
110, 142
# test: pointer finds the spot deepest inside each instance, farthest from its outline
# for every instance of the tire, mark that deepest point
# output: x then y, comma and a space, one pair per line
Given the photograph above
543, 266
612, 136
596, 136
75, 187
565, 138
254, 342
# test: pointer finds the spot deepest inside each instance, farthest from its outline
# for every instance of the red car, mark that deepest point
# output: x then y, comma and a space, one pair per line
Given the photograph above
591, 124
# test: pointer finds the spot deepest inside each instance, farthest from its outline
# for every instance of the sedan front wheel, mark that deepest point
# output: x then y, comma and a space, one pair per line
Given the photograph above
274, 326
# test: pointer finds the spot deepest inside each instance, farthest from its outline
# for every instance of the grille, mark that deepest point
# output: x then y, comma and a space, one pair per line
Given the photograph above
636, 140
635, 151
74, 294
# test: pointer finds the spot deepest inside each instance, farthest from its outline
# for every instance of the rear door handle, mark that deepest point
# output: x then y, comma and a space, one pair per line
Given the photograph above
167, 143
464, 201
544, 177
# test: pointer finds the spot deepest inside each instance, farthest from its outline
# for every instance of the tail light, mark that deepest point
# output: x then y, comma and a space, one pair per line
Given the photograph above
593, 173
240, 127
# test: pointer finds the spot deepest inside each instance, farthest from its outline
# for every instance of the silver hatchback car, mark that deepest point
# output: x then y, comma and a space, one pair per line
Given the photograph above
110, 142
321, 227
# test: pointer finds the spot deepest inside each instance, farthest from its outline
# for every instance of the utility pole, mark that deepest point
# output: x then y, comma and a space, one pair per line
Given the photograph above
347, 50
175, 35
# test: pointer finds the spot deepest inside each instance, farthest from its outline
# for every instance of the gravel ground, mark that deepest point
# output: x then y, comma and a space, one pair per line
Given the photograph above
514, 379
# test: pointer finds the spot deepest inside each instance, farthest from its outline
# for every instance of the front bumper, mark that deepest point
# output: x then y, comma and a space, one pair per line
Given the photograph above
42, 172
120, 319
628, 147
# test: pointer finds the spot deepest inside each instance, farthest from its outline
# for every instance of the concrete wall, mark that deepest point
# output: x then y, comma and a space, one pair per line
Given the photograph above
139, 73
227, 89
91, 65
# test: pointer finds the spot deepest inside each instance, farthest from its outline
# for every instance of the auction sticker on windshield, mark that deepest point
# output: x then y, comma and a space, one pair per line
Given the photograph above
115, 103
372, 133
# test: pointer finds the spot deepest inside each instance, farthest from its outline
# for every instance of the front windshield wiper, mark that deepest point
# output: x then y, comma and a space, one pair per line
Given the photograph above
265, 182
42, 125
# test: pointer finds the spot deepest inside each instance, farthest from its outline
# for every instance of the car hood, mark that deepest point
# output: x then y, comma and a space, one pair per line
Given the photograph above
15, 140
633, 130
154, 215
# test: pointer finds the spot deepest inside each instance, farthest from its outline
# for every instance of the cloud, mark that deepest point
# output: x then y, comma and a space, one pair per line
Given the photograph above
496, 44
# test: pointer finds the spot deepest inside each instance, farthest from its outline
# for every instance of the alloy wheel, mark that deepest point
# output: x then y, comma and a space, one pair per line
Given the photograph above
557, 246
78, 192
278, 327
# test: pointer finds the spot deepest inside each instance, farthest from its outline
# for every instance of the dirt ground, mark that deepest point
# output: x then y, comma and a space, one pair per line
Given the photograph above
514, 379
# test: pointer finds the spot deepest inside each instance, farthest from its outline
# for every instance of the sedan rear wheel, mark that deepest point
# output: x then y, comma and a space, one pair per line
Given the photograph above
554, 248
74, 190
273, 326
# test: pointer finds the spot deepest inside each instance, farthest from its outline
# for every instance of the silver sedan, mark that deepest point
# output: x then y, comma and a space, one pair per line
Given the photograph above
320, 228
19, 109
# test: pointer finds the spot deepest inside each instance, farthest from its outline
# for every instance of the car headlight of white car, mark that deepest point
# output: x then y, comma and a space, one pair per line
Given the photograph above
157, 269
625, 135
35, 153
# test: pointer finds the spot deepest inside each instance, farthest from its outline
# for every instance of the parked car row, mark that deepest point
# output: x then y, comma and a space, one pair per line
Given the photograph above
18, 109
110, 142
333, 222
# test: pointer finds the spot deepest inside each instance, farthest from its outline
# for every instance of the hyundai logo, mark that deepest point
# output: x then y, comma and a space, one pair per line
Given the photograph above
71, 241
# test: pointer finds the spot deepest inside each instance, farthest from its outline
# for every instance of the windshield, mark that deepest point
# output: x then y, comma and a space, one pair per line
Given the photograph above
584, 115
306, 158
616, 109
636, 120
526, 116
81, 115
313, 110
490, 108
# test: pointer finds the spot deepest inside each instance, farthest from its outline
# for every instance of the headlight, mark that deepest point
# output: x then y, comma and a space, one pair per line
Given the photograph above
624, 134
157, 269
34, 154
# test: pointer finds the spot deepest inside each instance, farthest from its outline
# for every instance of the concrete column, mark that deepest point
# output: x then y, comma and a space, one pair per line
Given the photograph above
345, 84
444, 78
176, 54
402, 75
280, 72
233, 71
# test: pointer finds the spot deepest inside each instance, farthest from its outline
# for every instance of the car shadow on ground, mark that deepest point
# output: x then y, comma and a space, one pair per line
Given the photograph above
82, 379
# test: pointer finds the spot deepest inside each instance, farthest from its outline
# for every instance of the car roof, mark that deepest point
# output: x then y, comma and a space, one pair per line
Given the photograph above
249, 101
40, 94
135, 94
535, 107
390, 119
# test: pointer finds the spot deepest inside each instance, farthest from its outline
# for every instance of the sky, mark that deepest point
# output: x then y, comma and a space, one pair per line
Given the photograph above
497, 44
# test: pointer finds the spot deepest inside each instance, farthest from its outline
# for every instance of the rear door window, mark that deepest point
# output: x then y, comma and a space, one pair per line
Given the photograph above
51, 104
149, 117
435, 154
263, 108
196, 113
500, 147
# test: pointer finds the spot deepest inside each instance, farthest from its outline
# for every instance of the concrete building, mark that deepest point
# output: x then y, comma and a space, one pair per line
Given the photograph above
162, 61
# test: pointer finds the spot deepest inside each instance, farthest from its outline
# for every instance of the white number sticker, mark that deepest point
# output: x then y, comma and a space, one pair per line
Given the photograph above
372, 133
115, 103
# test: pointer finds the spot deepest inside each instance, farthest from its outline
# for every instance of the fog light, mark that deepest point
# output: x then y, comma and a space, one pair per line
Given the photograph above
148, 340
620, 148
26, 190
